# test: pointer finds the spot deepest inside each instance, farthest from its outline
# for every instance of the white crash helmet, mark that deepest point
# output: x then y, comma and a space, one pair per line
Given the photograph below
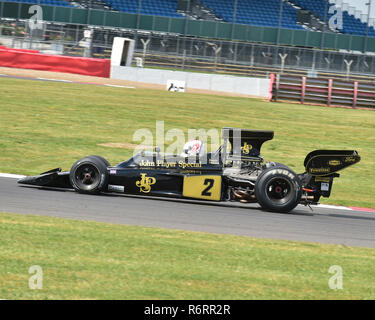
193, 148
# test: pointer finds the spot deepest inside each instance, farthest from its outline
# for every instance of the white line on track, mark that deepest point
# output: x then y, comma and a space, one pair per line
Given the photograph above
326, 206
12, 176
59, 80
117, 86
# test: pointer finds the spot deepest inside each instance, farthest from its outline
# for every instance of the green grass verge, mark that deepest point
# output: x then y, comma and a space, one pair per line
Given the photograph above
44, 125
89, 260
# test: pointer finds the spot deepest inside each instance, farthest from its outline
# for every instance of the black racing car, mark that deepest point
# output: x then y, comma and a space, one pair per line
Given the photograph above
235, 172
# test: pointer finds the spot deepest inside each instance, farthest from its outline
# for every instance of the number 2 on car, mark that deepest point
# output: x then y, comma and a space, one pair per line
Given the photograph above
202, 187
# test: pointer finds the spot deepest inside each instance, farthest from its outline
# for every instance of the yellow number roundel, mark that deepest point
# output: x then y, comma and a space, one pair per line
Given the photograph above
202, 187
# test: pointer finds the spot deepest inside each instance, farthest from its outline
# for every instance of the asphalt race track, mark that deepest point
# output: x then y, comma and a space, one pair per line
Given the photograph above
351, 228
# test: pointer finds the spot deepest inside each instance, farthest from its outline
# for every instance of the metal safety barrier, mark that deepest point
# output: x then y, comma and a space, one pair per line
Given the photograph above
330, 92
208, 65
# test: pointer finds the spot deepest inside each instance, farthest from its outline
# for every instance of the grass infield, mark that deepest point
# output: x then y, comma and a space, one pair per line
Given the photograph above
89, 260
44, 125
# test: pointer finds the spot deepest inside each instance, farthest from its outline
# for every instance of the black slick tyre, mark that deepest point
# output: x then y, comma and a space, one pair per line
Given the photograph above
89, 175
278, 189
105, 161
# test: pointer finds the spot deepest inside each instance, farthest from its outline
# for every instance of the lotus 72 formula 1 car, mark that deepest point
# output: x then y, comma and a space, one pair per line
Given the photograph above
235, 172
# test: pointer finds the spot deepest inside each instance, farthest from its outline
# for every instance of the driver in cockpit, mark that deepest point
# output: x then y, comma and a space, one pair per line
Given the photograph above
193, 148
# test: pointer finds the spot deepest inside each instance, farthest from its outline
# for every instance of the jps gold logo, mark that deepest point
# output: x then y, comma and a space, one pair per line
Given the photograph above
350, 159
334, 162
246, 148
145, 183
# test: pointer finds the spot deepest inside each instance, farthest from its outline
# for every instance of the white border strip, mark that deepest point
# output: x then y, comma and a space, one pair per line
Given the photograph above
57, 80
118, 86
326, 206
11, 176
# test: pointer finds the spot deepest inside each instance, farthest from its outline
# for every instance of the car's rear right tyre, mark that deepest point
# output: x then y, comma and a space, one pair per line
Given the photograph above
278, 189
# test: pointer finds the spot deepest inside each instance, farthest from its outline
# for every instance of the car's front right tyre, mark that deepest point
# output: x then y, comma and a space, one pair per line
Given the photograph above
89, 175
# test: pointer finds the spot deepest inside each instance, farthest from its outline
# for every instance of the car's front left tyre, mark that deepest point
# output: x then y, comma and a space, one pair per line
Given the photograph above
89, 175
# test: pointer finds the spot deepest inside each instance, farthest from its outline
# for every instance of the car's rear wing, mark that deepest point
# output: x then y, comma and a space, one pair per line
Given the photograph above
328, 162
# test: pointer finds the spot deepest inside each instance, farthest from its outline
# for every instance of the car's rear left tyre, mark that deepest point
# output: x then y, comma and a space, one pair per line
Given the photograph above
278, 189
89, 175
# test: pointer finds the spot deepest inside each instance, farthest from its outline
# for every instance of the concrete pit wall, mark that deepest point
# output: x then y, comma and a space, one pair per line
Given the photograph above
255, 87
